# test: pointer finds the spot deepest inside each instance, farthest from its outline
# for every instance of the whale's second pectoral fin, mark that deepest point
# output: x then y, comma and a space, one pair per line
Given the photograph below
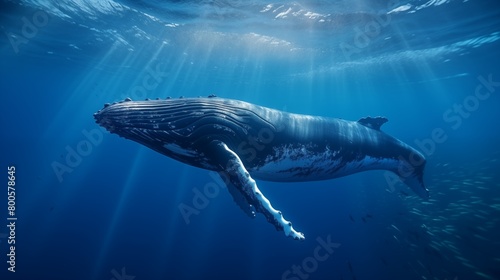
234, 173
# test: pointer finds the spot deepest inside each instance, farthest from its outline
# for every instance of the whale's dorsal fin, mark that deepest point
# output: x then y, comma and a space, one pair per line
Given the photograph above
373, 122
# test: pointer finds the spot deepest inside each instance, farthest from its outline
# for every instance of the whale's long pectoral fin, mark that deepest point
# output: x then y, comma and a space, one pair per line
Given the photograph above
238, 197
235, 175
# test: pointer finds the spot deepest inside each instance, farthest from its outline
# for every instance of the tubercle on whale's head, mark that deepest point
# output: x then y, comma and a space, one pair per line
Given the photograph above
107, 118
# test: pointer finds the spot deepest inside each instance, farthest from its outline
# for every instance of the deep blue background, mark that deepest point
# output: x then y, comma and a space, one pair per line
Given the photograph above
118, 208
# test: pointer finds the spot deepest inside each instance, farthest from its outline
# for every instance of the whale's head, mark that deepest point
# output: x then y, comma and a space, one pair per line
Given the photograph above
177, 127
158, 124
146, 122
172, 127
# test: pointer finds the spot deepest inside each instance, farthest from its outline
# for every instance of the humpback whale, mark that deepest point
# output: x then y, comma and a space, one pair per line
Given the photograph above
242, 142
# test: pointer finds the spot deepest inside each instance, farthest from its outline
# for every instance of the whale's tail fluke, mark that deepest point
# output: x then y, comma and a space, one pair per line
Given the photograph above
416, 183
413, 176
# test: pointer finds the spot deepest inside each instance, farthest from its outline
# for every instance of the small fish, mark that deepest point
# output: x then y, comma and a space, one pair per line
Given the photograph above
364, 220
403, 193
395, 227
416, 213
484, 275
395, 238
350, 217
480, 237
469, 265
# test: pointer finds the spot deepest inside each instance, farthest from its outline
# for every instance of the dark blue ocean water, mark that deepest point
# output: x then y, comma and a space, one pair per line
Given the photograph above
91, 205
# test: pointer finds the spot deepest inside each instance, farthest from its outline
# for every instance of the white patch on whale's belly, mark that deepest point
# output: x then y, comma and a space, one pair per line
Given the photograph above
301, 163
297, 163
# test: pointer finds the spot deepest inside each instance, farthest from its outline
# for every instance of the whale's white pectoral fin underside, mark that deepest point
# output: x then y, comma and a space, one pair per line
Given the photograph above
238, 197
242, 185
